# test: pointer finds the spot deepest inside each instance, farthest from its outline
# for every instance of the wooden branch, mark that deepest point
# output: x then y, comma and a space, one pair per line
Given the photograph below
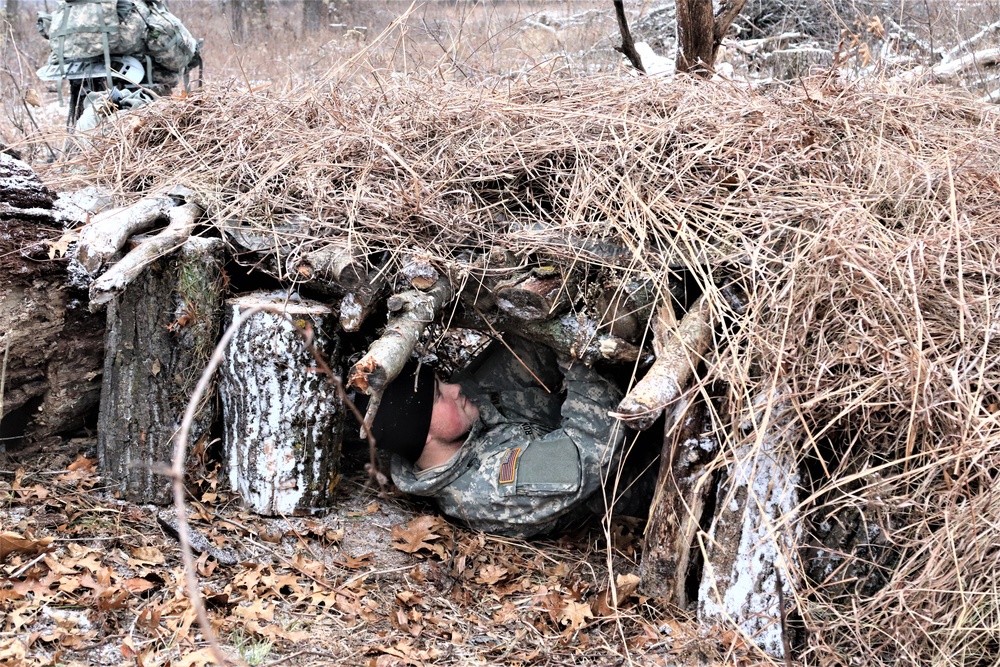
628, 45
625, 308
682, 489
107, 232
357, 305
575, 336
420, 272
678, 352
951, 69
182, 223
724, 16
339, 264
411, 312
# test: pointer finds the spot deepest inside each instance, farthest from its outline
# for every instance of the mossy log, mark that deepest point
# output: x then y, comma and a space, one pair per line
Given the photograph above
283, 421
160, 334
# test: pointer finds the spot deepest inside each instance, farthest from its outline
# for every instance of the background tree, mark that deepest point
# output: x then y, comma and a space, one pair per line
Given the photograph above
700, 29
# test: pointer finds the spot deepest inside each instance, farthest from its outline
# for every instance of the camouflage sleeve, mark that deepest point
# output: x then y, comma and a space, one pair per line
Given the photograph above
522, 483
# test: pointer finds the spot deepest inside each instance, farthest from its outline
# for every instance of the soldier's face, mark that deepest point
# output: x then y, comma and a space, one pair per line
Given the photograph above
453, 413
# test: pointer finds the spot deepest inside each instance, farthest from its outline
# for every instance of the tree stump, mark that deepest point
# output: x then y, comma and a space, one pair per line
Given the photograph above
160, 335
283, 419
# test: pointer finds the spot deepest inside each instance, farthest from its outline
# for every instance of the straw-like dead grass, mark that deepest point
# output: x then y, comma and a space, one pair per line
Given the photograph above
863, 222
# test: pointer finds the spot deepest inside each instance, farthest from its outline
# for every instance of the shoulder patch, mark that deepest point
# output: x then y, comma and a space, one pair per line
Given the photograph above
508, 466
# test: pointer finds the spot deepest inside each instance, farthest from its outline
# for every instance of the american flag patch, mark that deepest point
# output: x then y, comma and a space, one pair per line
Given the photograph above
508, 466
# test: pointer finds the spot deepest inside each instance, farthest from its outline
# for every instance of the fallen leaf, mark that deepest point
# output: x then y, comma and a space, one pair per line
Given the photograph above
625, 587
491, 574
147, 556
138, 585
31, 97
13, 543
62, 245
200, 658
349, 562
575, 614
416, 535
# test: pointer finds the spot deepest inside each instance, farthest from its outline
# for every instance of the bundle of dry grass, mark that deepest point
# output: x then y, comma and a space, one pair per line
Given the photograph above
862, 221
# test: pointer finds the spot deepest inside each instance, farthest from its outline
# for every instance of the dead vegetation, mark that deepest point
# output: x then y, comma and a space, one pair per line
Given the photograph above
860, 219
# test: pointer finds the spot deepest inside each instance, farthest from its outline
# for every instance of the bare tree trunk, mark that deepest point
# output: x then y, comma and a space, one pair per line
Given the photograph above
10, 14
237, 22
315, 14
700, 33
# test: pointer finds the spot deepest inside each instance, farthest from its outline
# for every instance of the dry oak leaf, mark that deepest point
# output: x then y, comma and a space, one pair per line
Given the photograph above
625, 587
13, 543
416, 535
12, 652
146, 556
200, 658
491, 574
575, 614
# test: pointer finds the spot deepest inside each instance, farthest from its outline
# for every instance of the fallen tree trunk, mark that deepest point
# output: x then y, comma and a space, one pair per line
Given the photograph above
161, 332
182, 224
678, 352
283, 422
52, 344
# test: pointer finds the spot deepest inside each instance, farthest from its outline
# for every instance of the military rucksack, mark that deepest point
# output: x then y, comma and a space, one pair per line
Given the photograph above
89, 29
81, 29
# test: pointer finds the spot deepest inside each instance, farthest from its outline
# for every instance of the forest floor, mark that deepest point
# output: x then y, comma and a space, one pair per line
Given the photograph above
87, 579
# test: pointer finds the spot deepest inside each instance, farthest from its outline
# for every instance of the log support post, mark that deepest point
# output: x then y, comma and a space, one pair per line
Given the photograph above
283, 421
754, 533
678, 351
682, 489
160, 334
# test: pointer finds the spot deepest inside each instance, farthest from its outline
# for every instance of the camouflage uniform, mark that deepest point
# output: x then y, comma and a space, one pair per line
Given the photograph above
532, 461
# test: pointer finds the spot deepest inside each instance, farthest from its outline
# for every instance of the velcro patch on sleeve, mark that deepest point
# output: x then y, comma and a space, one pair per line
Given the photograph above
508, 466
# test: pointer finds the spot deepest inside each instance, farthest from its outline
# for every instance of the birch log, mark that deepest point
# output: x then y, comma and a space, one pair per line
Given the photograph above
682, 489
411, 312
678, 352
107, 232
752, 538
160, 334
283, 421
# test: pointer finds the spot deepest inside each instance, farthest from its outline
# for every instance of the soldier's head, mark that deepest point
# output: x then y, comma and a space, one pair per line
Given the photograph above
420, 411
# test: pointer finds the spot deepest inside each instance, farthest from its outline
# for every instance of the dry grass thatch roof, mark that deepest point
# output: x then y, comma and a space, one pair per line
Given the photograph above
863, 222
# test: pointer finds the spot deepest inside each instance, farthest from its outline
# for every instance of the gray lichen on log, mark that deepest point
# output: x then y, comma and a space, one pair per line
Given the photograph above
755, 530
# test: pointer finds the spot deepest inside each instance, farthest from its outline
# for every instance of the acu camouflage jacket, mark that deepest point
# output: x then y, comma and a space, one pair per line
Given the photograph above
532, 461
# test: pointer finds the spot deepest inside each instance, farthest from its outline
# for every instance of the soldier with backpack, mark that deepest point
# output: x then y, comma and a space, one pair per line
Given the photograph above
135, 47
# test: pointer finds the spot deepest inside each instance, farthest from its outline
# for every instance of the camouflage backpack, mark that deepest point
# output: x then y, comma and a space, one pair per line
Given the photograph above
88, 29
82, 29
168, 43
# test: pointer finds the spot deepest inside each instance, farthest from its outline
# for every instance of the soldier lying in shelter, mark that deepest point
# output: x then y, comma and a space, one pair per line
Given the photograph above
501, 448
